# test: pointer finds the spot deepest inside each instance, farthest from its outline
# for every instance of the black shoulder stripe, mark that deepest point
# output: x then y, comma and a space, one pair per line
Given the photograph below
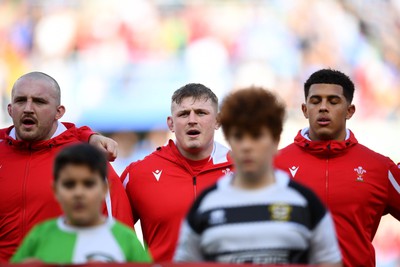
193, 217
317, 208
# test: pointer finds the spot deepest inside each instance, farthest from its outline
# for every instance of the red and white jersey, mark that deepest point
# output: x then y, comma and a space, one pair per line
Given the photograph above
161, 189
357, 184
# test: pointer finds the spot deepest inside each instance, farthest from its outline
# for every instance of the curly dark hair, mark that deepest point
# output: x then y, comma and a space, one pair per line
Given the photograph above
331, 76
249, 109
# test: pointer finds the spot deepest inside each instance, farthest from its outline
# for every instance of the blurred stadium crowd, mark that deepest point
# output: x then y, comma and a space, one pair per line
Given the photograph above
108, 52
119, 61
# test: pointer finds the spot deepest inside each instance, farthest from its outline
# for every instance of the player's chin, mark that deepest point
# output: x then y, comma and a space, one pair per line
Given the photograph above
249, 171
28, 135
81, 217
84, 221
325, 134
193, 144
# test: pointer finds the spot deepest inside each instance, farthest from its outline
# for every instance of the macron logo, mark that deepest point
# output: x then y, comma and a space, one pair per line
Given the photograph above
157, 174
293, 170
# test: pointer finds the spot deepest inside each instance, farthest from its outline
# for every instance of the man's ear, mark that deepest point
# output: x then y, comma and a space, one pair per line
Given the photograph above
9, 110
217, 124
170, 124
304, 109
60, 112
351, 109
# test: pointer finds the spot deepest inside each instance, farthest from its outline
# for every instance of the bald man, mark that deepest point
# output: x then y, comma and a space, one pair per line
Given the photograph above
27, 151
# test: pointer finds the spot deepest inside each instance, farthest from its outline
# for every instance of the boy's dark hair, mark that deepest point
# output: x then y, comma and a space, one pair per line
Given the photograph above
250, 109
195, 90
81, 154
330, 76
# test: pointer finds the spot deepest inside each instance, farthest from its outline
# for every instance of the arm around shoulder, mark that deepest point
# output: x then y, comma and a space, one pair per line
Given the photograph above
105, 144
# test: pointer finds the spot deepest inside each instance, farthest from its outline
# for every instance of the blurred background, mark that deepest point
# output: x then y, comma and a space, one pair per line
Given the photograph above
118, 63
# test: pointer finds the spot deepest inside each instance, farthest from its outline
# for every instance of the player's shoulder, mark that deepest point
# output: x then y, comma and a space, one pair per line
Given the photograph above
287, 153
203, 198
147, 161
317, 209
122, 228
45, 227
372, 155
122, 232
305, 191
288, 149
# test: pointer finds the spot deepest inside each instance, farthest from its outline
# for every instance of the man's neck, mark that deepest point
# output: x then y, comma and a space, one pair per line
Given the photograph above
59, 129
197, 154
306, 134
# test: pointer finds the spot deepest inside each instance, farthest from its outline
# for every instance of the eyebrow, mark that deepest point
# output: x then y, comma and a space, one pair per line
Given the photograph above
40, 99
34, 98
195, 110
329, 96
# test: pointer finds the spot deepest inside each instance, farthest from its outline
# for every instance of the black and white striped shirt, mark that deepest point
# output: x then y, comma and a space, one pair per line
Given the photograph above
279, 224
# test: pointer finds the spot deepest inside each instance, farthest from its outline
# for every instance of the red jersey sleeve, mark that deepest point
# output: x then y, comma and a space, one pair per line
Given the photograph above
84, 133
394, 191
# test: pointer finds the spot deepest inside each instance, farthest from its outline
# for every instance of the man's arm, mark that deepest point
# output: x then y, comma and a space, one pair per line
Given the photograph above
105, 144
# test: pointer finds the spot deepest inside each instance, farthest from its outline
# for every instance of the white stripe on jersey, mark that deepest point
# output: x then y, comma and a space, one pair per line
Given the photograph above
126, 181
394, 182
108, 202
